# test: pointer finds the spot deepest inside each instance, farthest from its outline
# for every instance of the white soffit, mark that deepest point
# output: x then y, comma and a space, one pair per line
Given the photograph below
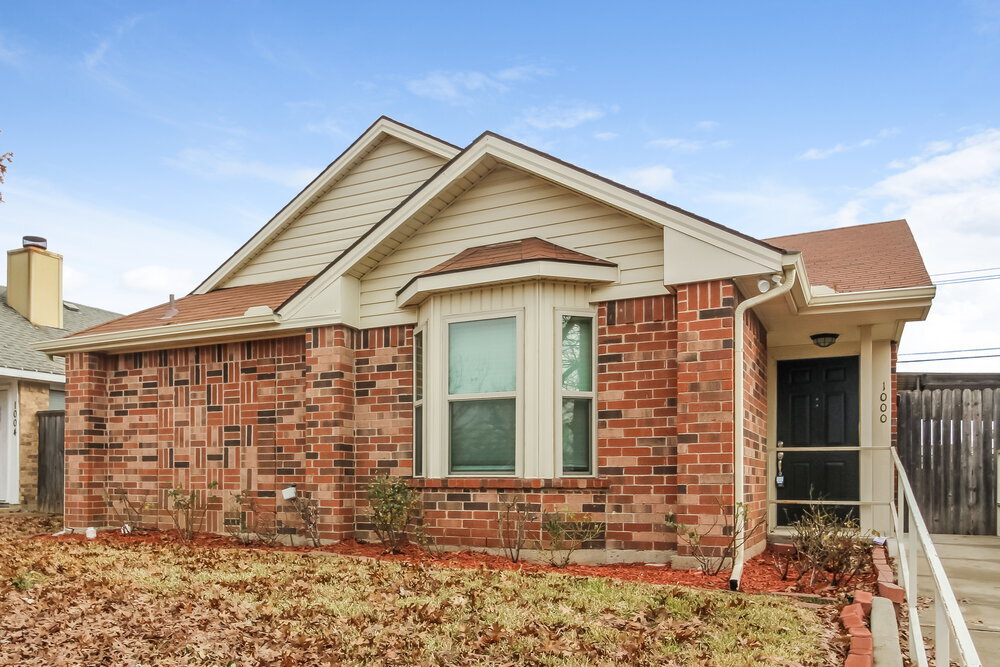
687, 259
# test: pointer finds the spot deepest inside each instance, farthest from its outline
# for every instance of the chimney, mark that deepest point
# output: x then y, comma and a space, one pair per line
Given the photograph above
34, 282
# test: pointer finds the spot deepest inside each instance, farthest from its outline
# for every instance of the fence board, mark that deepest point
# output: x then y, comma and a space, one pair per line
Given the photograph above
948, 444
50, 461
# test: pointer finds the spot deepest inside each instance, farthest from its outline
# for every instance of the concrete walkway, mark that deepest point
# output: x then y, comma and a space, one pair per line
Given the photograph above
972, 563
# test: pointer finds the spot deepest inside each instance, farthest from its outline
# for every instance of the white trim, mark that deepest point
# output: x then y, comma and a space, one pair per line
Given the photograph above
425, 286
38, 376
374, 135
10, 472
421, 403
560, 393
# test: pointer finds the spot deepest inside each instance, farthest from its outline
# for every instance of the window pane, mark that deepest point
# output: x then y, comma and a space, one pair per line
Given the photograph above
482, 435
576, 434
418, 440
577, 353
482, 356
418, 366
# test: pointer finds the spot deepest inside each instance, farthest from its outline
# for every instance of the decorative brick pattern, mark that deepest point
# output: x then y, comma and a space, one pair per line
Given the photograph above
86, 439
32, 398
755, 429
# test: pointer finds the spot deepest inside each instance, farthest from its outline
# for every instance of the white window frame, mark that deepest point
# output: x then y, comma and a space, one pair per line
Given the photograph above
561, 393
446, 398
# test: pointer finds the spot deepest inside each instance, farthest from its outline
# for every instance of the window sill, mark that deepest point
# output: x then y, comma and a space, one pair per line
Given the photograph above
508, 483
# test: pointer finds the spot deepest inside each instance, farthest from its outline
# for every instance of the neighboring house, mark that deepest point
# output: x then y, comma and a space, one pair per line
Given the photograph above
491, 320
32, 311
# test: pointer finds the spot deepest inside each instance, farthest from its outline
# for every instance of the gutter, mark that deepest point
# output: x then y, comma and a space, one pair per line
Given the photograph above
739, 491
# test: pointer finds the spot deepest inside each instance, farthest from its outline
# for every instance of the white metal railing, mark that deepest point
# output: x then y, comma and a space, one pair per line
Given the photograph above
950, 631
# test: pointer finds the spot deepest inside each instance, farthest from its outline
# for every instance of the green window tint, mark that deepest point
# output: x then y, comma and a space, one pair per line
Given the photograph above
576, 435
418, 440
483, 435
482, 356
577, 353
418, 366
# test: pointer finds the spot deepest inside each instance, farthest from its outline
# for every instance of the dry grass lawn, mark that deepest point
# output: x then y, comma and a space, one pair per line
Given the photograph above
141, 604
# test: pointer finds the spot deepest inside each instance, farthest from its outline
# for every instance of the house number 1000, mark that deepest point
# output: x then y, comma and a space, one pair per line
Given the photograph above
883, 405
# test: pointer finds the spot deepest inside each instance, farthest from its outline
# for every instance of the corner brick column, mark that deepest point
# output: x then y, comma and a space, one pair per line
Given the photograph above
705, 407
86, 440
329, 433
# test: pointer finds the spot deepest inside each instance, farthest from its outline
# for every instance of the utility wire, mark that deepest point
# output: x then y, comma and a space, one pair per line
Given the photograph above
918, 361
971, 279
955, 273
971, 349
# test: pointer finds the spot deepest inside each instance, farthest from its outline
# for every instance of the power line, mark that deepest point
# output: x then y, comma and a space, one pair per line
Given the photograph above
971, 349
919, 361
955, 273
971, 279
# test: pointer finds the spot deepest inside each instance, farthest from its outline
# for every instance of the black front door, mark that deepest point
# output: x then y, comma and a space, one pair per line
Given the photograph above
818, 409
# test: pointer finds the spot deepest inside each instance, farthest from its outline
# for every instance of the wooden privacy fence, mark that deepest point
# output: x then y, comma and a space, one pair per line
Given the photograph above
948, 446
50, 461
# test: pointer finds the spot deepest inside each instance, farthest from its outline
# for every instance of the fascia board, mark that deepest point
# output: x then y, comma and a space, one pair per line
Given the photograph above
871, 300
425, 286
375, 133
177, 333
38, 376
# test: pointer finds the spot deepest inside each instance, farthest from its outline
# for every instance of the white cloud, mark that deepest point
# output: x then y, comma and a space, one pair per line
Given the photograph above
950, 194
10, 53
680, 145
95, 57
823, 153
707, 125
605, 136
652, 180
561, 116
108, 251
221, 164
460, 87
160, 280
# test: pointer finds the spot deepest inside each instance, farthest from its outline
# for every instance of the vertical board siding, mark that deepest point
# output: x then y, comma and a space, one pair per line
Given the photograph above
51, 424
507, 205
948, 440
387, 175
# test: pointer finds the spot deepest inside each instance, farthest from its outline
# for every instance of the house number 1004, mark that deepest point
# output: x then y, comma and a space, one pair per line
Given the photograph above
883, 405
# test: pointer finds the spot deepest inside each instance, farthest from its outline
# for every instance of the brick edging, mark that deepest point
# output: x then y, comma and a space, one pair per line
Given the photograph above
855, 616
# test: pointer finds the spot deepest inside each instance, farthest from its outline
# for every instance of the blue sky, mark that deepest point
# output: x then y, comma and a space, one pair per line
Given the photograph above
151, 139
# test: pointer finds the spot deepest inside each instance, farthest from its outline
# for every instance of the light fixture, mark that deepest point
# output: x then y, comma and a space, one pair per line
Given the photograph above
764, 283
824, 339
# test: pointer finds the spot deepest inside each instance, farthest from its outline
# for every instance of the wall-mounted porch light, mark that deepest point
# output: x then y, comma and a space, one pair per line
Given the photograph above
824, 339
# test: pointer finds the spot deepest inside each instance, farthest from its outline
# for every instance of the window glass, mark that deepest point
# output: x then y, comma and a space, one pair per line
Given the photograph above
483, 435
482, 356
576, 427
418, 366
577, 354
418, 440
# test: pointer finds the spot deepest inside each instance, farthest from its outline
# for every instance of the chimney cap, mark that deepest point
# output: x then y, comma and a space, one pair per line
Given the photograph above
34, 242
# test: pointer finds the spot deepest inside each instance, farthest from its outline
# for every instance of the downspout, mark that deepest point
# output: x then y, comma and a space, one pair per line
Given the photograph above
738, 416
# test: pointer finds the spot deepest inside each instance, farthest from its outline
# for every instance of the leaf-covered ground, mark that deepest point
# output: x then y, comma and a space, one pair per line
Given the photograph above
144, 604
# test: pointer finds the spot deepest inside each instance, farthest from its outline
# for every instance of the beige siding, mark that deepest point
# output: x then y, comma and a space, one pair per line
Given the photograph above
508, 205
388, 174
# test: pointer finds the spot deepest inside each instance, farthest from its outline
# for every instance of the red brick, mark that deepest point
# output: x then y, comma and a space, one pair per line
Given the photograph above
892, 591
858, 660
864, 598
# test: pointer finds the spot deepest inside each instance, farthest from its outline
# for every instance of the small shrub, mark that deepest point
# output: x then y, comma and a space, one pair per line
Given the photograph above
512, 525
568, 532
248, 522
25, 580
826, 542
423, 538
307, 510
188, 511
712, 559
128, 513
393, 506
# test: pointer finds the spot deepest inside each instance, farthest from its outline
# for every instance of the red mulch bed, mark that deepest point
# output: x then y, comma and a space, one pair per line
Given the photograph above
759, 574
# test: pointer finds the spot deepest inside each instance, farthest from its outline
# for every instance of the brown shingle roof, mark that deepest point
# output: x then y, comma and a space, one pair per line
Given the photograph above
512, 252
229, 302
881, 255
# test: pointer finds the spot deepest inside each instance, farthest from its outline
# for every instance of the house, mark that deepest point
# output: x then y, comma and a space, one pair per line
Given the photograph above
32, 310
491, 320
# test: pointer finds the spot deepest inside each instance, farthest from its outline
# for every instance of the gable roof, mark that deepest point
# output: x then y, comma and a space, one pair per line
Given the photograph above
221, 303
477, 160
856, 259
18, 334
370, 139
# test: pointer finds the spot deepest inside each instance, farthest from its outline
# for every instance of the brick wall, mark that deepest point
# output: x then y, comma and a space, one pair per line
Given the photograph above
86, 439
705, 406
755, 428
32, 397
